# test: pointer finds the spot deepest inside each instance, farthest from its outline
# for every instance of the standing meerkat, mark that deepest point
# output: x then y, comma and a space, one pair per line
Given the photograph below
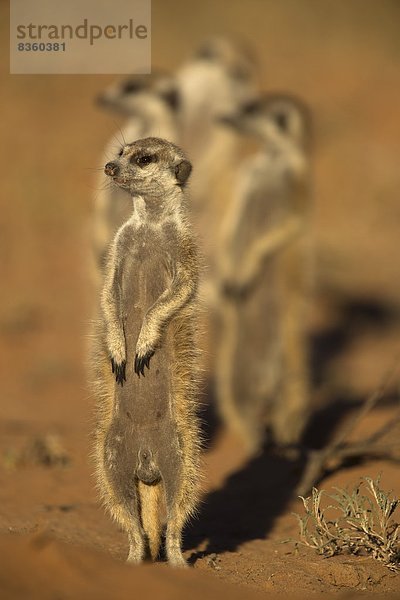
147, 447
150, 104
262, 363
218, 77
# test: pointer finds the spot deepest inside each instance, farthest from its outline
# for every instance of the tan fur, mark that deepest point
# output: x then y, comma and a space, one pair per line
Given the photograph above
168, 329
151, 503
264, 282
148, 113
219, 75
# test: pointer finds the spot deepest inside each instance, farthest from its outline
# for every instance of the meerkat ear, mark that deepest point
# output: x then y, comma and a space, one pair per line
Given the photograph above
182, 171
167, 89
172, 97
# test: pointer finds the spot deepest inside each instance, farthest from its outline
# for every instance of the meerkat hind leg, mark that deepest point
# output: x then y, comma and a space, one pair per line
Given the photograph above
176, 494
292, 410
130, 523
173, 539
137, 545
122, 498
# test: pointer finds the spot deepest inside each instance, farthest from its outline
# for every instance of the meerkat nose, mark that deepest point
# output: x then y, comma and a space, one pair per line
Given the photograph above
111, 169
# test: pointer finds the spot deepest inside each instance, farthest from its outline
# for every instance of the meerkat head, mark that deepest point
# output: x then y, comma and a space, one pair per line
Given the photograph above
140, 94
271, 115
233, 55
150, 167
218, 76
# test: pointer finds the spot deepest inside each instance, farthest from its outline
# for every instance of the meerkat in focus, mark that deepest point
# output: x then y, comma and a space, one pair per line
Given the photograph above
150, 105
264, 278
147, 447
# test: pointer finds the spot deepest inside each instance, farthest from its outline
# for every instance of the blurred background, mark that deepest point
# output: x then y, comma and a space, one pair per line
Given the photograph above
343, 59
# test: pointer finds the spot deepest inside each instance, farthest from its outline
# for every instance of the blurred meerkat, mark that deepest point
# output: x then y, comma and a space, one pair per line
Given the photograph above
149, 102
147, 447
218, 77
264, 278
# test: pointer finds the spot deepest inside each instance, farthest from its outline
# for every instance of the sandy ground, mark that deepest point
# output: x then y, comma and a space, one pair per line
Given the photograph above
343, 58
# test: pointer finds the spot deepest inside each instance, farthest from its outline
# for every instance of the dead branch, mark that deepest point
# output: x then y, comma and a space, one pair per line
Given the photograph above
331, 458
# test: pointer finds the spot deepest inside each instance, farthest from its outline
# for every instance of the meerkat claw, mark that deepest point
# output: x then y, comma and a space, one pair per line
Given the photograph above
141, 362
119, 370
139, 365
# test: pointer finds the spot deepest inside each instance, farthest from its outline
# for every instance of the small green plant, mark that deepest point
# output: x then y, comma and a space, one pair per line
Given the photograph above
364, 525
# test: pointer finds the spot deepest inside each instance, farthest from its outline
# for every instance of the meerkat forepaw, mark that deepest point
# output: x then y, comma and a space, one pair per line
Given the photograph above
142, 361
117, 353
146, 346
119, 369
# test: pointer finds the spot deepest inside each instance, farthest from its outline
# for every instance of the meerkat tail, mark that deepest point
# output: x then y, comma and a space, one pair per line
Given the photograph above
150, 501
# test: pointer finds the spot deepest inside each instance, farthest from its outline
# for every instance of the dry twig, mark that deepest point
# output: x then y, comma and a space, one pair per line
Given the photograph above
364, 525
332, 457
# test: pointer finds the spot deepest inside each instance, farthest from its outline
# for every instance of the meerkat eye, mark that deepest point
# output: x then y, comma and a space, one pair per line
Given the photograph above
131, 87
206, 53
120, 153
251, 107
282, 120
239, 74
144, 160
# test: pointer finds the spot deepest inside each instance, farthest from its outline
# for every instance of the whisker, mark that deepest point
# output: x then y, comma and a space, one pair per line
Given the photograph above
117, 126
98, 169
122, 135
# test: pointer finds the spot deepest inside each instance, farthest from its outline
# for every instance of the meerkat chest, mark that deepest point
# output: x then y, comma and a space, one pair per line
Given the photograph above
268, 198
148, 269
149, 244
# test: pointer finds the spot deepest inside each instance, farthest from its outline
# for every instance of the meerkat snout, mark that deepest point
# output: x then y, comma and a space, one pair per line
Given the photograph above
149, 165
111, 169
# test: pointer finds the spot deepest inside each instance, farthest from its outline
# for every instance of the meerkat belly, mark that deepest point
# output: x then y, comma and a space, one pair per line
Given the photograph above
258, 338
265, 209
257, 348
142, 434
145, 401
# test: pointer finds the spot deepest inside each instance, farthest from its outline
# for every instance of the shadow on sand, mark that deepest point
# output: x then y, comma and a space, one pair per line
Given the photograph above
250, 500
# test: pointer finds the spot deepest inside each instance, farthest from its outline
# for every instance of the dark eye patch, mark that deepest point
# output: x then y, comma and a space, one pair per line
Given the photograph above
131, 87
281, 120
239, 74
144, 159
120, 153
251, 107
206, 53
